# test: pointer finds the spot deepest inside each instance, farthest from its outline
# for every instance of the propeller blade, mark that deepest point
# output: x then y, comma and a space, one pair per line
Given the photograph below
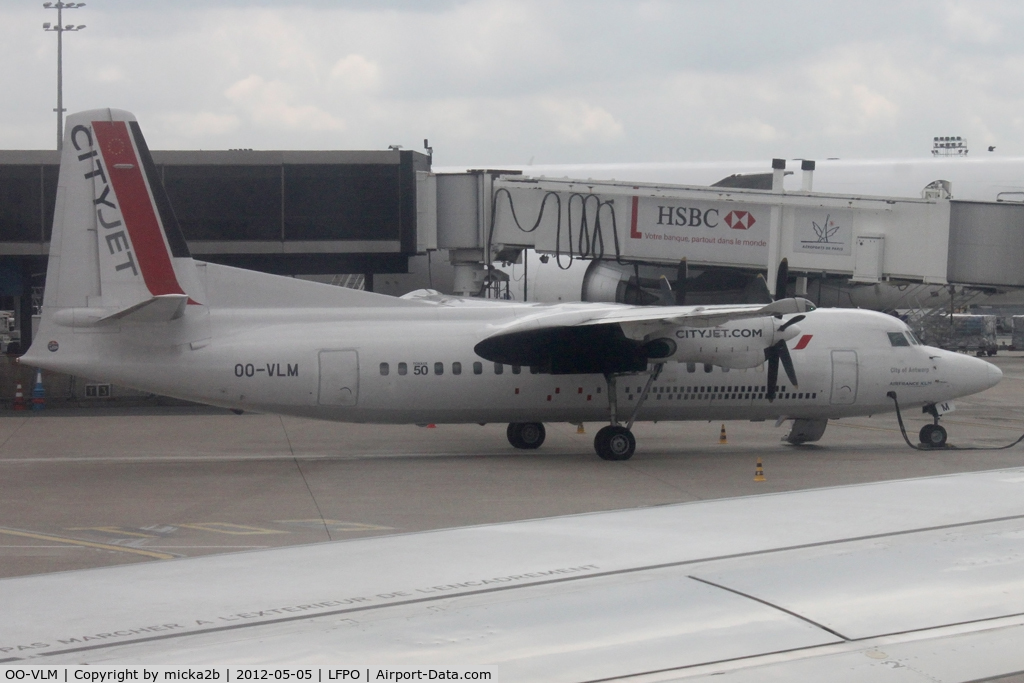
773, 372
681, 274
787, 362
782, 280
791, 321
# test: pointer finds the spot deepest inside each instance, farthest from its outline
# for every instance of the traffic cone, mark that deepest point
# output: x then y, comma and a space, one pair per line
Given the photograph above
579, 428
431, 426
759, 472
38, 392
721, 436
19, 398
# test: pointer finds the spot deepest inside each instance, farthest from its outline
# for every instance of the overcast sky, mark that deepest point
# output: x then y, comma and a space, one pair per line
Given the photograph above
553, 81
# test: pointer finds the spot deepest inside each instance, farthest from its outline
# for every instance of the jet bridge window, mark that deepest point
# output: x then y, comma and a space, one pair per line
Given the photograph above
897, 339
384, 369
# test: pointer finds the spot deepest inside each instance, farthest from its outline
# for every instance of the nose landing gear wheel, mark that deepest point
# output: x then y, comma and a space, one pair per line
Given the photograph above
614, 442
525, 435
933, 436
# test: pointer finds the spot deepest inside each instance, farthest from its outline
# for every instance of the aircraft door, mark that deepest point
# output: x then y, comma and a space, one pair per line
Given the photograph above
844, 377
339, 378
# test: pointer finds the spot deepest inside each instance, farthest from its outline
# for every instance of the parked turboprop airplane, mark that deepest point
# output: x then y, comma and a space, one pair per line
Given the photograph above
125, 303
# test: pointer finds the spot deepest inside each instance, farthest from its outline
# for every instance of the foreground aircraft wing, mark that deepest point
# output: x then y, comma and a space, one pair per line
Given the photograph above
897, 581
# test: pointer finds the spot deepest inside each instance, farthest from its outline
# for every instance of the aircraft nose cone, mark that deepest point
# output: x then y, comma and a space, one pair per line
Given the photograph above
975, 375
994, 375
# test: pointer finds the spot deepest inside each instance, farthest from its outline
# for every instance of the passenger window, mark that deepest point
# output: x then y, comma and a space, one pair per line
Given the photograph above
498, 368
708, 367
691, 367
438, 368
456, 368
403, 369
384, 369
534, 370
897, 339
478, 368
516, 369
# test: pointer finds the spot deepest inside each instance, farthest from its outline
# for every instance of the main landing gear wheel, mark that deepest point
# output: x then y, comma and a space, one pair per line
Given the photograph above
614, 442
526, 435
933, 436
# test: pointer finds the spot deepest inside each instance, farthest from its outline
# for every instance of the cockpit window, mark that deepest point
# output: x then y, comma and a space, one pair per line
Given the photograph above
897, 339
913, 340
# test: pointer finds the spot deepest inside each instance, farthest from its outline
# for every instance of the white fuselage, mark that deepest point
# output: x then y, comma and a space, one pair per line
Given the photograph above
417, 365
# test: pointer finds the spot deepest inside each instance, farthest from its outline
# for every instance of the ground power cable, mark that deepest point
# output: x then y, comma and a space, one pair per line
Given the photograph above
950, 447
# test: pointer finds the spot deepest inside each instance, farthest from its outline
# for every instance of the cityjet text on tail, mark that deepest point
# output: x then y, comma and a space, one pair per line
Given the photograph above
125, 303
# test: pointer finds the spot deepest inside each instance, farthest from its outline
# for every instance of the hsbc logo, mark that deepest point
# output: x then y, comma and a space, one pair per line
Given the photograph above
740, 220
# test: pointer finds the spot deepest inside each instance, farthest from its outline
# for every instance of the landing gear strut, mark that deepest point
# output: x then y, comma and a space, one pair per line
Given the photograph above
526, 435
933, 435
616, 442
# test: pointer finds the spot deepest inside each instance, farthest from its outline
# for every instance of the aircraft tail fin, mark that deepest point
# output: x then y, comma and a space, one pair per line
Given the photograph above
116, 243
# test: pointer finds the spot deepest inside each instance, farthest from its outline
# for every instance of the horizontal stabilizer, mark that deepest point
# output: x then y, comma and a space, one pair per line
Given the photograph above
158, 309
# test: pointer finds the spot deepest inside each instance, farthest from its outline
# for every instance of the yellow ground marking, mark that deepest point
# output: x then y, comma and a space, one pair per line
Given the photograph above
335, 525
86, 544
229, 528
116, 530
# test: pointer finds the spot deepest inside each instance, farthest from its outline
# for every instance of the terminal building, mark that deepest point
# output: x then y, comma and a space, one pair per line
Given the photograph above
283, 212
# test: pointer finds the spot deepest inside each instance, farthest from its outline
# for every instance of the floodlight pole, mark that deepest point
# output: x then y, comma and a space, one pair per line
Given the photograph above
60, 28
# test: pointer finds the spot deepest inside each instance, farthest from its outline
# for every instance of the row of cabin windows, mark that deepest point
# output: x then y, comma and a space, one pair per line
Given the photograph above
478, 368
456, 367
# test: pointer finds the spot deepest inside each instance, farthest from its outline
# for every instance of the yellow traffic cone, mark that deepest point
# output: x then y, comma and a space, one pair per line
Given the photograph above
759, 472
721, 436
579, 428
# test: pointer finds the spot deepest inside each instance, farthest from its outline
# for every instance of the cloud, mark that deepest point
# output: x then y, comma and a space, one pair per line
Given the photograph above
967, 22
267, 104
577, 121
356, 72
202, 124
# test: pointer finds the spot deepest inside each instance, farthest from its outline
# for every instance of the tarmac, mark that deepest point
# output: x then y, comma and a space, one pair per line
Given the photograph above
115, 485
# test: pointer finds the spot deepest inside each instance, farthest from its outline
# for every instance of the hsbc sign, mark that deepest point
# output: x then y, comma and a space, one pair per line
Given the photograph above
702, 231
740, 220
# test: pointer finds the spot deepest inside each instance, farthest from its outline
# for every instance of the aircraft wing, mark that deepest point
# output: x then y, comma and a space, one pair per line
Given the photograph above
585, 338
898, 581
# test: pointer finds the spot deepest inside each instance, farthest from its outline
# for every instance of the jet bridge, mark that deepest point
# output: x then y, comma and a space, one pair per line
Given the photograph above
486, 216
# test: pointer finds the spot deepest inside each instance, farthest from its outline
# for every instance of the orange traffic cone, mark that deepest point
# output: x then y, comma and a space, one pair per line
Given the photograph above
19, 398
579, 428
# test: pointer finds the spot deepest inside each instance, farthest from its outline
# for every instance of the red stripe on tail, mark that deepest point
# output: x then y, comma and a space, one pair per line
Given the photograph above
124, 171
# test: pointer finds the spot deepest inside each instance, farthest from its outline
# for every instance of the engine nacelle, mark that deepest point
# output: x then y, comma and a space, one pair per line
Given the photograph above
737, 344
